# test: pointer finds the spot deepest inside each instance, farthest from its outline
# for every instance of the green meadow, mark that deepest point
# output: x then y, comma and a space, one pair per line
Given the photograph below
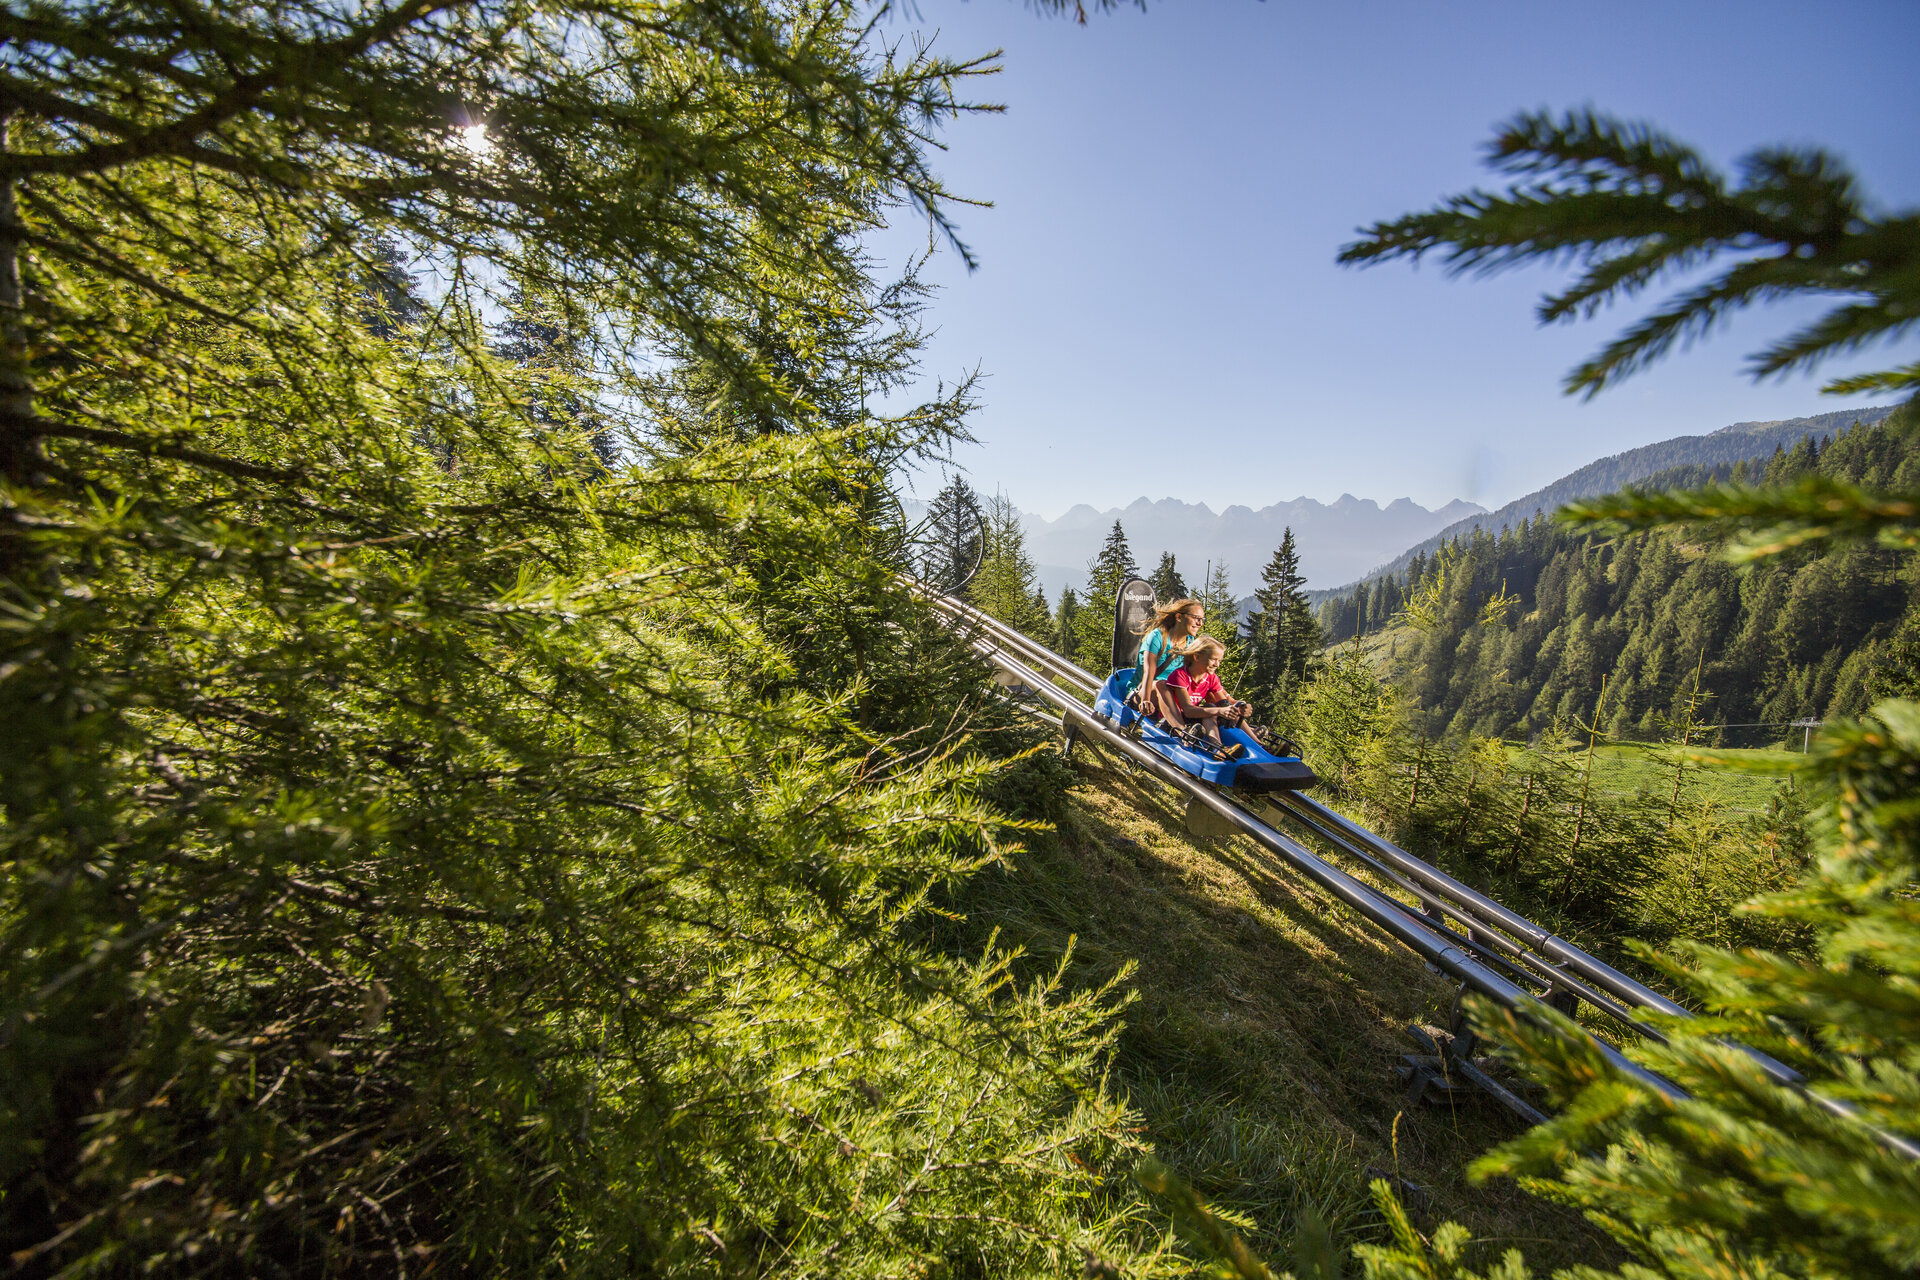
1738, 778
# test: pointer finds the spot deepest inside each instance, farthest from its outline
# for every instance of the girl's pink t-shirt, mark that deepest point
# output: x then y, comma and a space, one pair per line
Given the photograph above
1207, 686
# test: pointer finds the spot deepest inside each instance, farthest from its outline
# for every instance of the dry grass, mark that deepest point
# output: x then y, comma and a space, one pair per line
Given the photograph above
1262, 1048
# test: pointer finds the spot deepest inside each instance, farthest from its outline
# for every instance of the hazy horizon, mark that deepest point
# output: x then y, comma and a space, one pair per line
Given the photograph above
1212, 510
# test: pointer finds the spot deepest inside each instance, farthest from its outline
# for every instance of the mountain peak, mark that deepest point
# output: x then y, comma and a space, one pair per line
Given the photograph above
1336, 539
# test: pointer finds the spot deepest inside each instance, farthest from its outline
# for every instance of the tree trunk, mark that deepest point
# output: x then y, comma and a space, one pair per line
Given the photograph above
1520, 825
1413, 794
19, 439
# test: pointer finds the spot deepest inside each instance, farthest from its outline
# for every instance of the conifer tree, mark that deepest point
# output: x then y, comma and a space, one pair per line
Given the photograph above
1066, 623
1299, 635
1282, 634
956, 538
1223, 609
1634, 206
552, 347
1111, 566
1896, 672
1166, 581
1736, 1176
393, 294
1005, 586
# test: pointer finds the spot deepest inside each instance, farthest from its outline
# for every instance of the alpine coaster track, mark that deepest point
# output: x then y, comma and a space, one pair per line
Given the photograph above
1489, 948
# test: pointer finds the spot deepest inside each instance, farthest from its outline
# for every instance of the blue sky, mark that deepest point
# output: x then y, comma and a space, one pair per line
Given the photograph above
1157, 308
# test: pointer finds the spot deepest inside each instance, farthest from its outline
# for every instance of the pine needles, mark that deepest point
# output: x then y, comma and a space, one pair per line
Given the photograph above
1631, 207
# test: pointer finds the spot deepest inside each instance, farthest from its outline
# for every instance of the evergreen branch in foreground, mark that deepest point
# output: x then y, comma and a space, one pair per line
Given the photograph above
1765, 521
1629, 206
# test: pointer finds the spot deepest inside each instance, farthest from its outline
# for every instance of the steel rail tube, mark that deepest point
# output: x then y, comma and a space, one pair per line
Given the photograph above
1047, 663
1061, 672
1041, 656
1580, 962
1391, 915
1539, 966
1062, 667
1599, 972
1503, 951
1550, 945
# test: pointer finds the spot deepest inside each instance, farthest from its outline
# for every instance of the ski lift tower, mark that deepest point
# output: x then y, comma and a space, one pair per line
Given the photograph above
1806, 743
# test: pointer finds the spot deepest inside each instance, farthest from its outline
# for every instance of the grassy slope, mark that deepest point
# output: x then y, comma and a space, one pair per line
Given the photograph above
1262, 1046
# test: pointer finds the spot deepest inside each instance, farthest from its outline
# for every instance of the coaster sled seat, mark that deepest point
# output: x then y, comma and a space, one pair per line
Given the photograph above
1257, 771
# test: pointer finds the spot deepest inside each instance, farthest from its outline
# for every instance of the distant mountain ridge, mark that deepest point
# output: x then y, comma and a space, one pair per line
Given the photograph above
1734, 443
1337, 540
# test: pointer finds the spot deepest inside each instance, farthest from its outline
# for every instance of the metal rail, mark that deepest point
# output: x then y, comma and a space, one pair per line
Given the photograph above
1489, 926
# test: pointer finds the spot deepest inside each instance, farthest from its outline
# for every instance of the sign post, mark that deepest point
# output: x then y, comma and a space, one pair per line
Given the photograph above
1132, 610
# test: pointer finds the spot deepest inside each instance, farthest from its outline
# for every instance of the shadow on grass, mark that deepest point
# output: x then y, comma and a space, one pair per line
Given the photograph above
1261, 1051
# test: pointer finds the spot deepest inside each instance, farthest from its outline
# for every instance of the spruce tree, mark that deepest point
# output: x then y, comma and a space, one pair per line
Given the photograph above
1299, 635
552, 347
1632, 206
1896, 669
1066, 623
393, 300
1111, 566
1223, 609
1005, 586
955, 540
1282, 635
1166, 581
1736, 1176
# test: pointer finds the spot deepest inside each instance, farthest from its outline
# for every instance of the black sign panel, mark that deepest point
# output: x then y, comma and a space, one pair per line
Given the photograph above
1132, 611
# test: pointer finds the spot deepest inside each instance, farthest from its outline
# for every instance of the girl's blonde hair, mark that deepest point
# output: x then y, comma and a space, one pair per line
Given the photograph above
1210, 645
1166, 613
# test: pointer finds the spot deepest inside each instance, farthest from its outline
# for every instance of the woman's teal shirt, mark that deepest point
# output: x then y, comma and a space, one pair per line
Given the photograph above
1165, 660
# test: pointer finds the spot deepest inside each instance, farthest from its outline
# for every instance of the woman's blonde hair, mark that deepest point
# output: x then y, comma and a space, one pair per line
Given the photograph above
1165, 613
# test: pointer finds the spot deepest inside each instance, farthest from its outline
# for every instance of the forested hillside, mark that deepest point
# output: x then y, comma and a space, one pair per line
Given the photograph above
1546, 625
1648, 465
